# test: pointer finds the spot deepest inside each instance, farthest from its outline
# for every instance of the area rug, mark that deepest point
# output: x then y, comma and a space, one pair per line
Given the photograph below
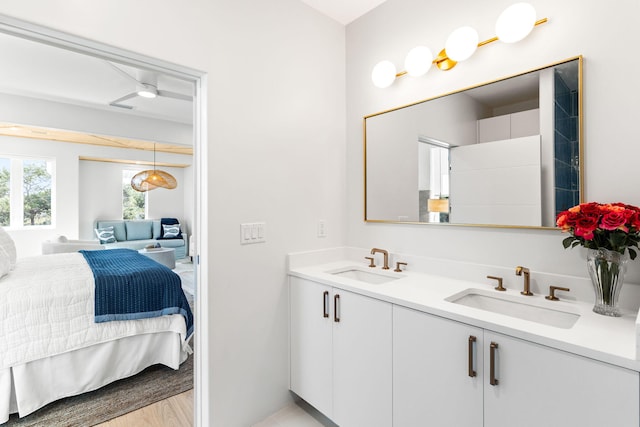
152, 385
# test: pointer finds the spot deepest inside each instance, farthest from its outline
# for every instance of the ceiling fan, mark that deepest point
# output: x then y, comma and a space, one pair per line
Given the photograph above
146, 86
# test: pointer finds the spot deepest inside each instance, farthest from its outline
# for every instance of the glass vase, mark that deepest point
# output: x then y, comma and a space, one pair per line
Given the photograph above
607, 269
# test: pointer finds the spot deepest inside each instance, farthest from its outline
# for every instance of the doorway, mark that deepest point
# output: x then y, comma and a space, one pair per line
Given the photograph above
128, 61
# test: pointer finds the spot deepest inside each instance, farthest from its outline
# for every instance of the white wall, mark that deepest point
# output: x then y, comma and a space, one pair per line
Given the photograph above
276, 153
78, 199
575, 27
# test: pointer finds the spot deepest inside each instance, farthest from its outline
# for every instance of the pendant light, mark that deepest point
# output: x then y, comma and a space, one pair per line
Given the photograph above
148, 180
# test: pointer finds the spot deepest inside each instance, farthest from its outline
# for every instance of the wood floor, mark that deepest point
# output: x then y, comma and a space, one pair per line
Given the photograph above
176, 411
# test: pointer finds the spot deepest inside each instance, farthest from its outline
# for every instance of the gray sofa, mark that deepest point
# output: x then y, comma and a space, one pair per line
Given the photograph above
137, 234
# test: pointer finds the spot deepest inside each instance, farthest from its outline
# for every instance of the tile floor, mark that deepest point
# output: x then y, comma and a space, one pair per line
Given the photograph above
298, 414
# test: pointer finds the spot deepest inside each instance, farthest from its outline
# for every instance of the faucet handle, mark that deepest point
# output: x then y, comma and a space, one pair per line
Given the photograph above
398, 264
499, 279
552, 292
371, 263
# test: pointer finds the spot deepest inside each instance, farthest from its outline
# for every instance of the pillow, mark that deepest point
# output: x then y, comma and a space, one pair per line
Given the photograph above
7, 243
157, 228
105, 235
171, 231
5, 264
119, 229
168, 221
139, 230
61, 239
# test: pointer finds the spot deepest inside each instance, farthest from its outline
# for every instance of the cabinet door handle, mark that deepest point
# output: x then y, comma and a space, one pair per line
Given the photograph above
336, 300
325, 304
492, 364
472, 341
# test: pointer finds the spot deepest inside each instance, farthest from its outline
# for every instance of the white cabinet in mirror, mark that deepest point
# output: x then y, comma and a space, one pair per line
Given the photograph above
504, 153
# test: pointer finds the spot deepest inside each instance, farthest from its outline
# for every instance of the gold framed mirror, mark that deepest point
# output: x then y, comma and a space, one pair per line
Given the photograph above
506, 153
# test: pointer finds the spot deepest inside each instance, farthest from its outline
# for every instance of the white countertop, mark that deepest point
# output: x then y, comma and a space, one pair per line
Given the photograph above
607, 339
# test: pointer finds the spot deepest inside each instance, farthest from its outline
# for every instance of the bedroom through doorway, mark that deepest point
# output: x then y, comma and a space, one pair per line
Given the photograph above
66, 97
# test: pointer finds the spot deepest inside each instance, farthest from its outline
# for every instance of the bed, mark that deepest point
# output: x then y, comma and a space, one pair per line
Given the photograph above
57, 340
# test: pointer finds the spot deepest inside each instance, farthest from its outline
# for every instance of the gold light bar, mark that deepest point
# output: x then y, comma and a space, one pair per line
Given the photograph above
444, 63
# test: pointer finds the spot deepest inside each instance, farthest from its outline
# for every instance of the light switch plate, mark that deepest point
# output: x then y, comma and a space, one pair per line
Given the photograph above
253, 232
322, 228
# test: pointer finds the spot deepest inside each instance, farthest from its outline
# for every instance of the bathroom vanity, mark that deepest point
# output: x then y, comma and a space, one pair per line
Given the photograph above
373, 347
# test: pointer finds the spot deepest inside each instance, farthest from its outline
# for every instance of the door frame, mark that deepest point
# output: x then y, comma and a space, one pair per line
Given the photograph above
37, 33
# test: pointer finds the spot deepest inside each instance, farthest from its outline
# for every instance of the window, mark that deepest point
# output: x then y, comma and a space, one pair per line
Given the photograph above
134, 203
26, 186
5, 200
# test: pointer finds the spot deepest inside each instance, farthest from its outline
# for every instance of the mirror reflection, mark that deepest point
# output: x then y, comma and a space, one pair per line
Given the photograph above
506, 153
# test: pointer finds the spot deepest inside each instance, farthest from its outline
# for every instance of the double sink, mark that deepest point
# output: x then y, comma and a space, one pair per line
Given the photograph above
539, 311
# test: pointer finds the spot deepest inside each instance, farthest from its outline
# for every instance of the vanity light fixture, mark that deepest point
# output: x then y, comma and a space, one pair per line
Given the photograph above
514, 24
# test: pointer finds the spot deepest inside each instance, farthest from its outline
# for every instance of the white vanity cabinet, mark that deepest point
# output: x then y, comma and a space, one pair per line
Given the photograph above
310, 343
341, 353
433, 382
442, 375
543, 386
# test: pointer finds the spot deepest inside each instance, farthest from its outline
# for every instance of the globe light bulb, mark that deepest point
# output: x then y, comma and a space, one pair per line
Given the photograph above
515, 22
461, 44
383, 74
418, 61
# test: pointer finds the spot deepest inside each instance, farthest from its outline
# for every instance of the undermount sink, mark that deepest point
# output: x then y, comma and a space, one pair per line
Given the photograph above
513, 306
370, 277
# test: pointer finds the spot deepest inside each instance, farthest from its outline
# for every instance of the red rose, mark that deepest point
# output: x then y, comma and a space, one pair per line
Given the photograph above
585, 226
567, 220
635, 220
592, 208
614, 220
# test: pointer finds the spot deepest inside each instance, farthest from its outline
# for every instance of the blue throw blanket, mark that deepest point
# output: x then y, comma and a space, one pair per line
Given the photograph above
129, 285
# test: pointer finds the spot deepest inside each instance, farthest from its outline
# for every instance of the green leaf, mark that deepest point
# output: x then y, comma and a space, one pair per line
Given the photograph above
567, 242
632, 254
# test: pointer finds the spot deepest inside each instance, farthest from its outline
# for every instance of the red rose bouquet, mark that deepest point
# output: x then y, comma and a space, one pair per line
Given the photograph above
614, 226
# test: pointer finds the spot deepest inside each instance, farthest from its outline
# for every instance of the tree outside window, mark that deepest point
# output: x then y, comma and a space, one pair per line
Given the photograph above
134, 203
26, 187
5, 201
36, 187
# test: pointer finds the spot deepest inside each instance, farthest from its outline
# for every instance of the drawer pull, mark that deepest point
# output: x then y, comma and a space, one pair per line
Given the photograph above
325, 304
492, 364
472, 341
336, 301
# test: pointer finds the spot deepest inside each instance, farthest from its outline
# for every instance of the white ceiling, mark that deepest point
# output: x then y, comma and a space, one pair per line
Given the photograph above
41, 71
344, 11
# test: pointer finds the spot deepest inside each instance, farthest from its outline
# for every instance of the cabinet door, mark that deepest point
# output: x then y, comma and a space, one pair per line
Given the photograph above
540, 386
433, 382
362, 394
310, 343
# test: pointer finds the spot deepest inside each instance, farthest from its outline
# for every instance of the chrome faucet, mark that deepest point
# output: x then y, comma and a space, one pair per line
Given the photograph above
519, 272
386, 257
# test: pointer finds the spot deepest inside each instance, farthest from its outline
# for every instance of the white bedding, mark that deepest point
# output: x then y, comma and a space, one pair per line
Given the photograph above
46, 308
46, 318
